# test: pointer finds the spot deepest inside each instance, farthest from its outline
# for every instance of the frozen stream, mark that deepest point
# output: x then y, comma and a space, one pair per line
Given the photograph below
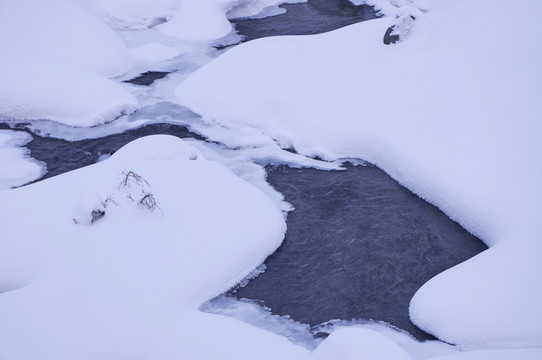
358, 244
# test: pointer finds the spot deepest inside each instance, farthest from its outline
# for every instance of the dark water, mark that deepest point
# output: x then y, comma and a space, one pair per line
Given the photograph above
62, 156
312, 17
147, 78
358, 245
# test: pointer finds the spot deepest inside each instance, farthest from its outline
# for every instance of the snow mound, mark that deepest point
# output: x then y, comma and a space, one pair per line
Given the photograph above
452, 113
358, 344
71, 96
60, 31
55, 58
129, 284
18, 168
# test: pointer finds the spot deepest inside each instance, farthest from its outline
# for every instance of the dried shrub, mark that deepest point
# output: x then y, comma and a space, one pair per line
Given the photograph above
109, 200
129, 177
148, 202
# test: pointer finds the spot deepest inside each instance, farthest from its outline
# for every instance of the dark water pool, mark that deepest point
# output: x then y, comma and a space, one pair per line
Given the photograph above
312, 17
358, 246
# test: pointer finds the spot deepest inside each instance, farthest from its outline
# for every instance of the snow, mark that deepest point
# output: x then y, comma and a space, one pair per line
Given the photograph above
18, 168
200, 20
358, 344
502, 354
132, 14
60, 31
100, 271
55, 60
155, 52
451, 112
60, 93
130, 284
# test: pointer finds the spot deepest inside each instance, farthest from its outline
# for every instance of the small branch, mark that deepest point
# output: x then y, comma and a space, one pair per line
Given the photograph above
149, 202
131, 177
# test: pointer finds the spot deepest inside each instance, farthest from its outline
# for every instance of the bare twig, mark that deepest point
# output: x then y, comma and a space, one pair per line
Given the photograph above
148, 201
109, 200
131, 177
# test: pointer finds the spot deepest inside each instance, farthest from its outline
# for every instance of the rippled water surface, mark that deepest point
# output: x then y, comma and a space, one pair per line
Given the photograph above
312, 17
358, 246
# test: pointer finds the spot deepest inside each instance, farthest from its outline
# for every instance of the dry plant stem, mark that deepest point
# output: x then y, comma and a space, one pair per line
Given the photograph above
131, 177
109, 200
148, 201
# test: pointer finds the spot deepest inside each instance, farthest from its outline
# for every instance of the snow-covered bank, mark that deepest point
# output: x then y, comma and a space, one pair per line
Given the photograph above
131, 282
18, 168
452, 113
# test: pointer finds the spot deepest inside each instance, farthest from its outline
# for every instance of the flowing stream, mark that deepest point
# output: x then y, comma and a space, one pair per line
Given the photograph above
358, 244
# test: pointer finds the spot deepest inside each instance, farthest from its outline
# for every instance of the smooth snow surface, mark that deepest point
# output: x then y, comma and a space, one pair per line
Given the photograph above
502, 354
17, 167
54, 63
452, 113
358, 344
64, 94
132, 14
155, 52
129, 284
60, 31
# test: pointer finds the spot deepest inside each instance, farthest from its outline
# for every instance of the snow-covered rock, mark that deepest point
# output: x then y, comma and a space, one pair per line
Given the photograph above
60, 31
358, 344
130, 284
55, 60
61, 93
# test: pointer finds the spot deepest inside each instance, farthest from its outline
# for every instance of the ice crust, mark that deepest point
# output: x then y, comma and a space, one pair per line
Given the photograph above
452, 113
